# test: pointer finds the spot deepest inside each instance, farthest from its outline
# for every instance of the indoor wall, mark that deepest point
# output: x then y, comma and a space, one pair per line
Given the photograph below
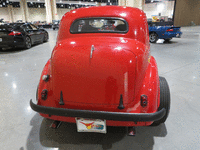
187, 13
166, 8
4, 13
35, 14
17, 12
61, 12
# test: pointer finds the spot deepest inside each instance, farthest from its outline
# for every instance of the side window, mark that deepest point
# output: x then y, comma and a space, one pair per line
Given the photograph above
26, 27
33, 27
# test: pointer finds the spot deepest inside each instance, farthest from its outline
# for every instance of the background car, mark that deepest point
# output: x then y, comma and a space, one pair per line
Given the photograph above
156, 31
21, 35
55, 24
101, 72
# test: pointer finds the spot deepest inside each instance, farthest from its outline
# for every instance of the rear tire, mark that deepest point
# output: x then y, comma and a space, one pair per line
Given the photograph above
153, 37
27, 42
164, 100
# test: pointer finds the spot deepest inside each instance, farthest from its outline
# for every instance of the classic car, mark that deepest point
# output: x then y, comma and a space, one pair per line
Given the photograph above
101, 76
163, 32
21, 35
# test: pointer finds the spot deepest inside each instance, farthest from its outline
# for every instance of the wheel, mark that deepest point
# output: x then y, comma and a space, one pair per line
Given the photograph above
153, 37
27, 43
45, 37
164, 100
167, 40
54, 28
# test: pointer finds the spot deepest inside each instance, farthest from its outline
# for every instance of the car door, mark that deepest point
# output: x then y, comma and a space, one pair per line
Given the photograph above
30, 32
38, 32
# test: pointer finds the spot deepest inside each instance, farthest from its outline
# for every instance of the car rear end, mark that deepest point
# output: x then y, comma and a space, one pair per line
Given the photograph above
100, 73
10, 36
173, 32
101, 85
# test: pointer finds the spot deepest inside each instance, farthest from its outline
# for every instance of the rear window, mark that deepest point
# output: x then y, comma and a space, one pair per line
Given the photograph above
99, 25
4, 28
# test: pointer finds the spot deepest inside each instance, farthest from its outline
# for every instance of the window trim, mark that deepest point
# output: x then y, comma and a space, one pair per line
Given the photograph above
127, 26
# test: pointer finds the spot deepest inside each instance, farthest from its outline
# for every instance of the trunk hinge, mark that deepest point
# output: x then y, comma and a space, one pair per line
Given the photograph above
61, 99
121, 106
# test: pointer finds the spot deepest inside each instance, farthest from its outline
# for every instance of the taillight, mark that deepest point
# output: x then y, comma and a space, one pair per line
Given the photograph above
170, 30
44, 94
144, 100
15, 33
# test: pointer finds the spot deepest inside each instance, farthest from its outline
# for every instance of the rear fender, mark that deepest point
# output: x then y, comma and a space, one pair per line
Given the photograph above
151, 88
44, 84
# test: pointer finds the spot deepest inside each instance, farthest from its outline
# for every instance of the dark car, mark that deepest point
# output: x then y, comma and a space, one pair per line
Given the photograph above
56, 24
21, 35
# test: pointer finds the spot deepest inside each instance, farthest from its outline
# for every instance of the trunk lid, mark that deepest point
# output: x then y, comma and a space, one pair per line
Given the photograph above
97, 79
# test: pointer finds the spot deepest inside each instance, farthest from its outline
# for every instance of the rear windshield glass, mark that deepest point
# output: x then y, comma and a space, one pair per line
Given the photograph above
99, 25
4, 28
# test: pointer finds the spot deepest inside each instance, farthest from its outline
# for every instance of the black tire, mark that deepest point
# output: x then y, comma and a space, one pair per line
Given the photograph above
45, 37
27, 42
164, 100
153, 37
54, 28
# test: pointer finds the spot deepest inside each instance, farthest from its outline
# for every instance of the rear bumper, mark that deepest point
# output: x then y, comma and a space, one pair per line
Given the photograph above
115, 116
12, 41
168, 35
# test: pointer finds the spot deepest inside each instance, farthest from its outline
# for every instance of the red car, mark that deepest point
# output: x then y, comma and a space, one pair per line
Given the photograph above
101, 72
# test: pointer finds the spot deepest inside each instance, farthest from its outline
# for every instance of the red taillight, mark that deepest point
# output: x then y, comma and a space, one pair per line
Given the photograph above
144, 100
170, 30
44, 94
15, 33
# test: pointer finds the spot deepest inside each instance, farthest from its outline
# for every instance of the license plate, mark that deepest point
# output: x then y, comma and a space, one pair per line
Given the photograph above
0, 39
91, 125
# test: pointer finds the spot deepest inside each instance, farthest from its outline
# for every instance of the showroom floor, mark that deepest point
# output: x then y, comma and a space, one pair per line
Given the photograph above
23, 129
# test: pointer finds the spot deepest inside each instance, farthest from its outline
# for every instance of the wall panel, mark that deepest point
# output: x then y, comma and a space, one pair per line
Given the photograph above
4, 13
187, 11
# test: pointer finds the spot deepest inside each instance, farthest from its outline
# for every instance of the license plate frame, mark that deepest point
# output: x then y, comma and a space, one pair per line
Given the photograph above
91, 125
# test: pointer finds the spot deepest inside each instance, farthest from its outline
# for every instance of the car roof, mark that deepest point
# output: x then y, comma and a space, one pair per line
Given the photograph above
105, 11
136, 19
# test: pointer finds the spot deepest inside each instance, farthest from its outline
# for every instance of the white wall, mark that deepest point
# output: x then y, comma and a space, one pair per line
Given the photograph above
37, 14
17, 12
165, 8
4, 13
61, 12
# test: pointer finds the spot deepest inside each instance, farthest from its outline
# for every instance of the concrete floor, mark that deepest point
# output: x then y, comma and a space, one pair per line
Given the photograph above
23, 129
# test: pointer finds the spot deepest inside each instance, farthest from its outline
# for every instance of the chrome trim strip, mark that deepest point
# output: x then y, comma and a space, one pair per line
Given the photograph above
91, 52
